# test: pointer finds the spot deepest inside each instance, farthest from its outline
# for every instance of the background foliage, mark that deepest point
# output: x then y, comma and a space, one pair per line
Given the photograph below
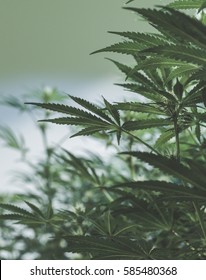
148, 202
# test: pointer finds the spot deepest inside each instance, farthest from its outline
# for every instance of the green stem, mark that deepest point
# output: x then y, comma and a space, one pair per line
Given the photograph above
193, 138
141, 141
185, 241
48, 175
177, 140
107, 195
201, 221
124, 229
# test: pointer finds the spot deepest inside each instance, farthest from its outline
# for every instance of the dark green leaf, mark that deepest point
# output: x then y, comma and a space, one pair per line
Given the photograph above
176, 25
144, 91
148, 40
16, 209
186, 54
91, 107
60, 108
142, 79
124, 48
106, 248
35, 209
202, 7
88, 131
168, 189
113, 111
173, 167
178, 89
80, 122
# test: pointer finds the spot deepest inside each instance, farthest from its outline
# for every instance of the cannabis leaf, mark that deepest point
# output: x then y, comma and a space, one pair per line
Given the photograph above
186, 4
106, 248
173, 167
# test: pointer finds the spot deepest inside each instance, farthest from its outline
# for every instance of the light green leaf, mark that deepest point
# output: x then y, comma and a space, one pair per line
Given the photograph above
186, 4
158, 62
184, 70
145, 124
164, 138
202, 7
140, 107
11, 140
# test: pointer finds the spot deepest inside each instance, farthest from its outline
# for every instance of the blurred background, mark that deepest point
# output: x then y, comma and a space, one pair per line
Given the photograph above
47, 44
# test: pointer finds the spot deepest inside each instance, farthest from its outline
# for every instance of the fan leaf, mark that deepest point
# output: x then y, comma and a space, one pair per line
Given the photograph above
142, 38
172, 167
79, 122
177, 26
106, 248
145, 124
186, 4
168, 189
91, 107
16, 209
123, 48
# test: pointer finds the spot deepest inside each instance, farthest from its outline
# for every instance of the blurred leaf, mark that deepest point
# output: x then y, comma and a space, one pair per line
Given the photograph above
11, 140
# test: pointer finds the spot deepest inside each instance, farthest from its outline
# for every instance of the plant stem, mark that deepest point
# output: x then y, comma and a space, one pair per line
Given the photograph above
185, 241
47, 169
201, 221
141, 141
177, 140
107, 195
193, 138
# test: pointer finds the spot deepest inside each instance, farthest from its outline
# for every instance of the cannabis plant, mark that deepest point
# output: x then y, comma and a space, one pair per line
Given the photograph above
150, 203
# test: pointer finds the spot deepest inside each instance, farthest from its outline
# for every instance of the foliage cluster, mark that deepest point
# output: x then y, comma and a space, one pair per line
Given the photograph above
148, 202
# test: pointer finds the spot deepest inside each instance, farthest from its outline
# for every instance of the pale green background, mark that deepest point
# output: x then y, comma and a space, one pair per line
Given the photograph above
47, 43
56, 36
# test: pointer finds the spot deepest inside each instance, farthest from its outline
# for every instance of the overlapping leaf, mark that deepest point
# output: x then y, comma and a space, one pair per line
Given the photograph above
170, 190
174, 168
190, 55
94, 119
177, 26
143, 91
106, 248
